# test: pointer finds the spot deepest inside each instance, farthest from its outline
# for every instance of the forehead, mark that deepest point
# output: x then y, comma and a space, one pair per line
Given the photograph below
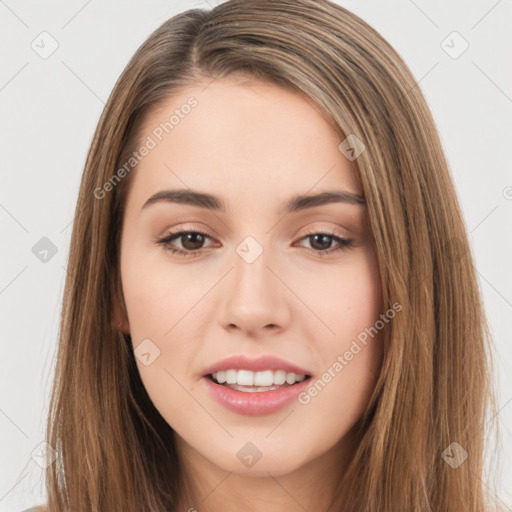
236, 139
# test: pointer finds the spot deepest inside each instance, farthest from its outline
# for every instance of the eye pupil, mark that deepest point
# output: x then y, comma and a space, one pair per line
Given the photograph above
196, 240
325, 241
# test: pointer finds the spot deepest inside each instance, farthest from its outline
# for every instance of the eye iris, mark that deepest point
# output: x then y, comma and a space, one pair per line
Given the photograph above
325, 241
197, 240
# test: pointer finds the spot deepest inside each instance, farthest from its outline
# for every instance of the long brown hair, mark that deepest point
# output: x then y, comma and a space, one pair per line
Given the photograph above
115, 451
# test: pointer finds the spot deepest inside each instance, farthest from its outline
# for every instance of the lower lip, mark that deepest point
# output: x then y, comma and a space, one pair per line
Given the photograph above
257, 403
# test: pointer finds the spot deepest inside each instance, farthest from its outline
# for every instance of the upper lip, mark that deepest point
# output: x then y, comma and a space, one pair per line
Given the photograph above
261, 363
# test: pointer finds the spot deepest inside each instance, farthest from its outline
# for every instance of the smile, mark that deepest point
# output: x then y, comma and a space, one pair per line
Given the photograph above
256, 381
255, 400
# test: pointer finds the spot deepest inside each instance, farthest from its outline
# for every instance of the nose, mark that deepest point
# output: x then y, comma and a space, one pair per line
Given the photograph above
255, 299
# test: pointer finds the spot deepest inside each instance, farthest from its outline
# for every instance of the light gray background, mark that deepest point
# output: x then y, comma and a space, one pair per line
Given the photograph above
50, 107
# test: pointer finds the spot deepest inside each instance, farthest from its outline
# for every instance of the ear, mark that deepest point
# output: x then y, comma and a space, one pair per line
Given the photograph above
120, 317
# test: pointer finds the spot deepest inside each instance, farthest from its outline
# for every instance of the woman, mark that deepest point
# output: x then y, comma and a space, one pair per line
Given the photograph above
271, 302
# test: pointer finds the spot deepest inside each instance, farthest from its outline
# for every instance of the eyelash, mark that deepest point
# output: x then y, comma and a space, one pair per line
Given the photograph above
166, 240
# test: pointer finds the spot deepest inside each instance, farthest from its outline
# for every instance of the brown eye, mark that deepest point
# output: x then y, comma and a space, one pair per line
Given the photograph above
191, 242
321, 242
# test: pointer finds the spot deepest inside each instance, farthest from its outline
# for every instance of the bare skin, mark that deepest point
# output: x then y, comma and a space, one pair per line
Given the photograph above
255, 145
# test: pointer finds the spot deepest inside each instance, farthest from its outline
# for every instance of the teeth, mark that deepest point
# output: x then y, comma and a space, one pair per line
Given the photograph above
261, 379
231, 376
245, 378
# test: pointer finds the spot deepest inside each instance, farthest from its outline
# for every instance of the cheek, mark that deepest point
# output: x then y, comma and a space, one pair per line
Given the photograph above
338, 396
158, 294
163, 306
159, 305
347, 298
351, 351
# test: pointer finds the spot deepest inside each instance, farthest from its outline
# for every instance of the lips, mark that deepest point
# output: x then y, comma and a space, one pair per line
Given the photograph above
255, 403
259, 364
254, 400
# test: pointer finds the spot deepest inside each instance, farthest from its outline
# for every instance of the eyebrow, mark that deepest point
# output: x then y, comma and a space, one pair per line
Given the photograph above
211, 202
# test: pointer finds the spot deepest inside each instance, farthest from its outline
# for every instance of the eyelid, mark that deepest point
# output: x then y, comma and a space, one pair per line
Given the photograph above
189, 228
196, 227
343, 242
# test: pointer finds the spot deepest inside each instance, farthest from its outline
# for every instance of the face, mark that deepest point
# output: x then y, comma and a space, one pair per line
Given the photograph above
283, 288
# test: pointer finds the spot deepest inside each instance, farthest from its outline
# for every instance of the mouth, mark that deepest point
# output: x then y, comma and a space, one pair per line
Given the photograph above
248, 381
260, 396
251, 386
